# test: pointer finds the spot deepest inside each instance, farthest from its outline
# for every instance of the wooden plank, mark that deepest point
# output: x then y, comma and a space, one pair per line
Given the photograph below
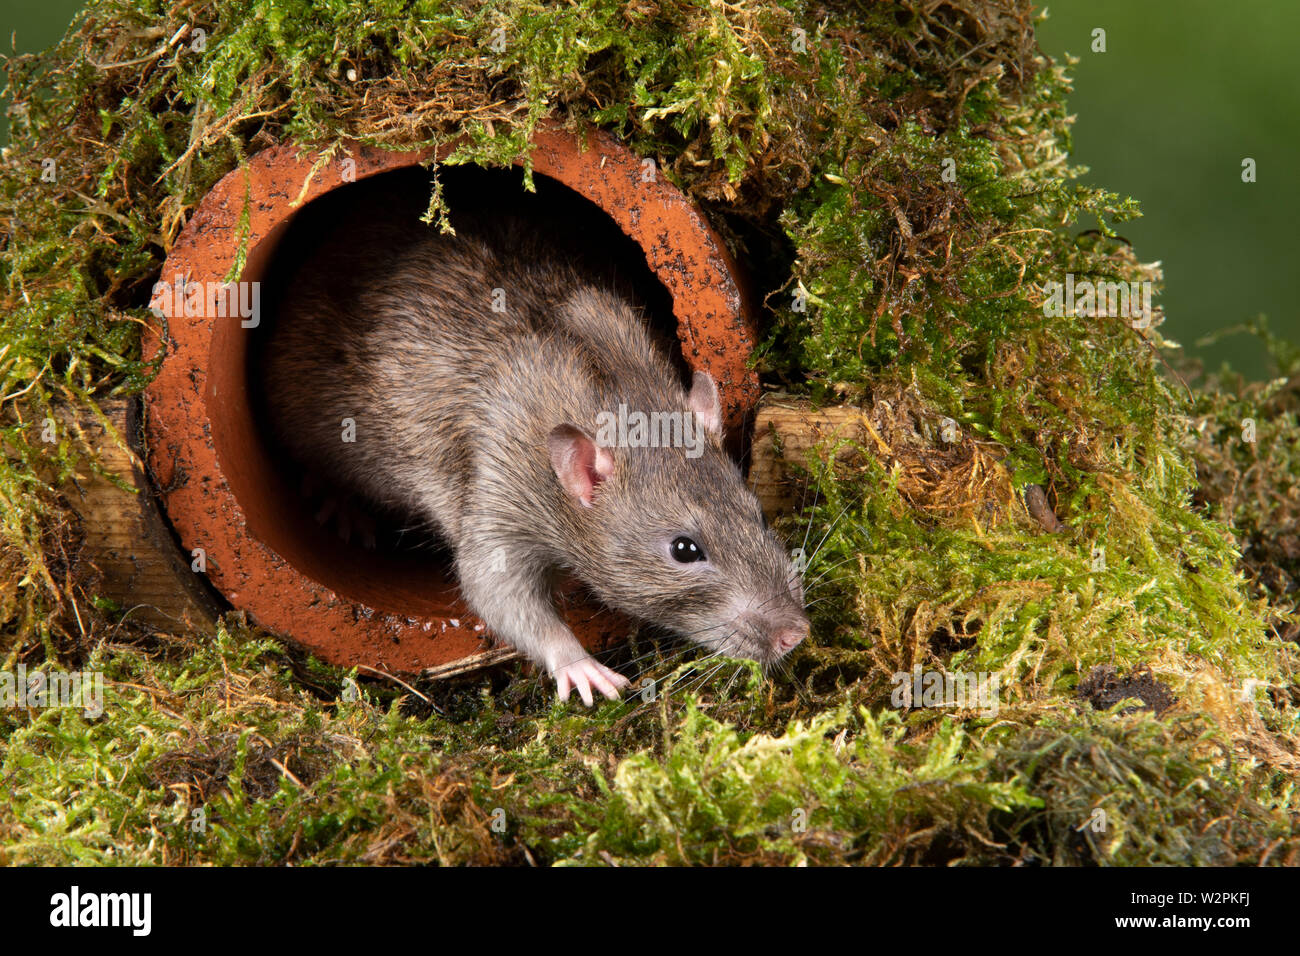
127, 538
786, 430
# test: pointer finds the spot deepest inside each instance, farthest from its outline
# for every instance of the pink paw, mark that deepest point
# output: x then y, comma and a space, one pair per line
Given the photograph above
584, 674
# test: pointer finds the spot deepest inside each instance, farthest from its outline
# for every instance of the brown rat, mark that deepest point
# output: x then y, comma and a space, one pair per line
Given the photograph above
495, 388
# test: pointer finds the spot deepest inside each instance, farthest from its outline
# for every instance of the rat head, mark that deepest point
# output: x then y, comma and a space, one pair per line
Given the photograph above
665, 529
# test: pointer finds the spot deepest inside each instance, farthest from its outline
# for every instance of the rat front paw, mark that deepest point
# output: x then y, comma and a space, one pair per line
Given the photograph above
584, 674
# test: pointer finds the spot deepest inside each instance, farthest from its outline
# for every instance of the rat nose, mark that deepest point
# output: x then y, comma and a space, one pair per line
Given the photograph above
788, 638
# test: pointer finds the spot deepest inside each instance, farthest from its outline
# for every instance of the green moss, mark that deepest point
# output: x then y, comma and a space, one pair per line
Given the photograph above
898, 174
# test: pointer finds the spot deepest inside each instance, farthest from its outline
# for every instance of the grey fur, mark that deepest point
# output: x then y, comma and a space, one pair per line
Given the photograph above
454, 404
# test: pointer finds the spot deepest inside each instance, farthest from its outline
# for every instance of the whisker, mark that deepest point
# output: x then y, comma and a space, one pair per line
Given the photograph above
812, 604
816, 497
740, 668
826, 571
816, 551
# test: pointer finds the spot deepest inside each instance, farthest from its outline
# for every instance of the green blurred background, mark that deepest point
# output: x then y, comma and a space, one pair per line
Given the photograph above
1185, 90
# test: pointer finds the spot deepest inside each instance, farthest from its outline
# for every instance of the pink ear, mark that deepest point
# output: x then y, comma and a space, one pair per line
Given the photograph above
705, 403
579, 462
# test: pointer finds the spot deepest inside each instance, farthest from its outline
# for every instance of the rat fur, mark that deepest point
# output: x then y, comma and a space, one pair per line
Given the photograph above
479, 369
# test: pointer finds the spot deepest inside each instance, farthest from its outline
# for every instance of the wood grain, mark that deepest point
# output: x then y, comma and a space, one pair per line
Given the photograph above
127, 538
786, 431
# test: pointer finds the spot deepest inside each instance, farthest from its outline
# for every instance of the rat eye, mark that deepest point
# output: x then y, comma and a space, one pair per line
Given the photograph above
684, 550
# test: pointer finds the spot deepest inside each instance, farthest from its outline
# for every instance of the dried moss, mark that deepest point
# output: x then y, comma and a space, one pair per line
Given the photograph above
1247, 451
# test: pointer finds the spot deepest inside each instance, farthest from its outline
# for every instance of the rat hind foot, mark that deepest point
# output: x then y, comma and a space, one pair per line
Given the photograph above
351, 522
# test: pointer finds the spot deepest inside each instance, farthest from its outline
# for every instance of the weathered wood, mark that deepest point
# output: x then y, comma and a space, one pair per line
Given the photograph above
126, 536
785, 431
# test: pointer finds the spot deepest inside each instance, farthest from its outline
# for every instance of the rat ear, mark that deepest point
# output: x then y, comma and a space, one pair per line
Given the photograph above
705, 403
579, 462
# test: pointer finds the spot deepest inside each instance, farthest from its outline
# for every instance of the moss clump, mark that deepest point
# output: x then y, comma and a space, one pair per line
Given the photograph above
1248, 457
898, 175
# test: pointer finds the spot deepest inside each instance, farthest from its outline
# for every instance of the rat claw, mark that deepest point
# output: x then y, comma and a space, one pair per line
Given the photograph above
327, 510
368, 536
584, 674
350, 521
608, 682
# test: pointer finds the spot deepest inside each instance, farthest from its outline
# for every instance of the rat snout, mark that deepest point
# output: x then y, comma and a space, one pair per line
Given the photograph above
765, 633
780, 623
781, 631
788, 638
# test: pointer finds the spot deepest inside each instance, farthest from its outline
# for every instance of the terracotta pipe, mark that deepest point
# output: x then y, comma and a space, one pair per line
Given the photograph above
222, 492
